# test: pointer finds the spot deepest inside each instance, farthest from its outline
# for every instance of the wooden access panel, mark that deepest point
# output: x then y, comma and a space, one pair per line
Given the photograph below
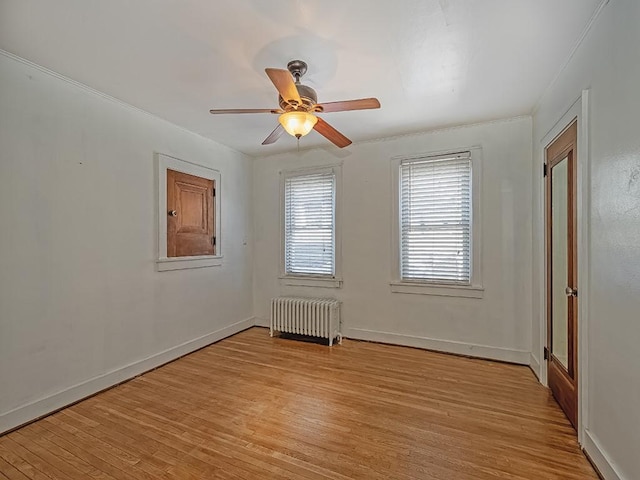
190, 215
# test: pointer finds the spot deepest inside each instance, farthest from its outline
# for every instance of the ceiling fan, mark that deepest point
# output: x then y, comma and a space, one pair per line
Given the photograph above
298, 106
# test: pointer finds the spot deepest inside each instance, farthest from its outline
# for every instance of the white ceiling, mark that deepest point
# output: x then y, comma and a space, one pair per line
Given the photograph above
432, 63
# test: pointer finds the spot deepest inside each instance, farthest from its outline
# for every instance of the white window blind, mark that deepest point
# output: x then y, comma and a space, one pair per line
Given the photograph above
310, 224
435, 218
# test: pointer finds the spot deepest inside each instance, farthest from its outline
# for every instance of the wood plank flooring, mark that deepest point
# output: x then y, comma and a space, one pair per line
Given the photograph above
253, 407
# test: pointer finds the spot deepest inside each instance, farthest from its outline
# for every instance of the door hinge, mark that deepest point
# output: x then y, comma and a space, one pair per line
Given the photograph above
213, 241
214, 192
545, 170
546, 353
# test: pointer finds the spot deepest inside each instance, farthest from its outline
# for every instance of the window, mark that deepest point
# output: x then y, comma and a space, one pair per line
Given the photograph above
435, 217
309, 224
436, 244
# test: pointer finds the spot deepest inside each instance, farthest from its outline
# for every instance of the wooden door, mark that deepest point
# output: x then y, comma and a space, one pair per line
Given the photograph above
190, 215
562, 271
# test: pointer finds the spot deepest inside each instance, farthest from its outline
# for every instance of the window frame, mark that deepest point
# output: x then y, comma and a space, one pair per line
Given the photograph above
163, 262
312, 280
426, 287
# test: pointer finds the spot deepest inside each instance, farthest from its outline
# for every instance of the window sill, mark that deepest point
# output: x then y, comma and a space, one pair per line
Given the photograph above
302, 281
183, 263
465, 291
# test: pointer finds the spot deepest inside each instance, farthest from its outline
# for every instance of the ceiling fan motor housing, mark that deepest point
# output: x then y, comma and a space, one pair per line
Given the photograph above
307, 95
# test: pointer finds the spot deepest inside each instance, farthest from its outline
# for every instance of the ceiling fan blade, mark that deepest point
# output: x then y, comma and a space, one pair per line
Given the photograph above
283, 82
245, 110
273, 136
333, 135
361, 104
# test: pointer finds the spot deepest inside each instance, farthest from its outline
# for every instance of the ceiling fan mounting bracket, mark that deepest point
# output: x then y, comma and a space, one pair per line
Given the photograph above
297, 68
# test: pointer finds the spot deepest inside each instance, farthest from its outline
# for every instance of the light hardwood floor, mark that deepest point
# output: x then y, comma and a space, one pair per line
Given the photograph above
252, 407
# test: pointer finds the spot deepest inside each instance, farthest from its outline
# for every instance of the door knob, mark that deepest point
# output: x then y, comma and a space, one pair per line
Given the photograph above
571, 292
172, 213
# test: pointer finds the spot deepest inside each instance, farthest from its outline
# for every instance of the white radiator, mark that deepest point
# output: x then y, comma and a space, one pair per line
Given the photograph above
314, 317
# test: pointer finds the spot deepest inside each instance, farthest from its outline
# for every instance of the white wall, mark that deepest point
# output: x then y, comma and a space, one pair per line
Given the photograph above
79, 295
496, 326
607, 62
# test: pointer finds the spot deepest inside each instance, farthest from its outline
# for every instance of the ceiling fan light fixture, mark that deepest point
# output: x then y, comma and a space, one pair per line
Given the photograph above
297, 123
298, 103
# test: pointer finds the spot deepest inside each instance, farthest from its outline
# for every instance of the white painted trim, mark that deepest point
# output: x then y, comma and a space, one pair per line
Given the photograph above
309, 281
39, 408
256, 156
334, 281
400, 286
422, 288
579, 110
584, 241
534, 364
596, 14
98, 93
603, 463
462, 126
182, 263
164, 263
262, 322
521, 357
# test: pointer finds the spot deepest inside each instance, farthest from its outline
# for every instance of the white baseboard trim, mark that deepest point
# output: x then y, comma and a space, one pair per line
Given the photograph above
44, 406
600, 459
262, 322
521, 357
534, 364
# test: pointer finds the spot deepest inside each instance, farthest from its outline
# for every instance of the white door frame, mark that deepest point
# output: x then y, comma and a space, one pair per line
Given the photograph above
579, 110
